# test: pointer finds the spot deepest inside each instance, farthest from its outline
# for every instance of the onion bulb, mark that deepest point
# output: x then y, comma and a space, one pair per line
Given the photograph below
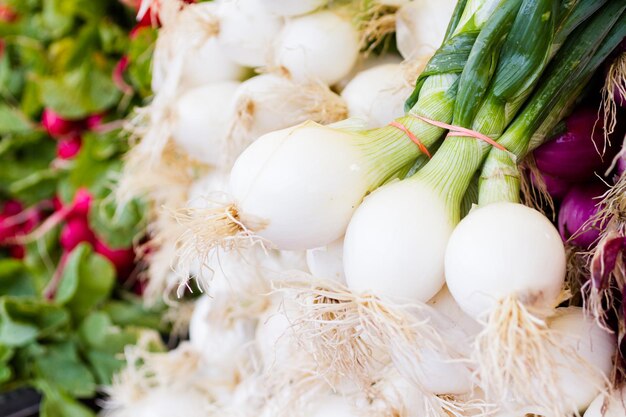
271, 102
615, 405
421, 26
189, 35
377, 95
322, 46
505, 265
505, 240
166, 402
327, 261
246, 31
292, 8
581, 379
201, 118
411, 218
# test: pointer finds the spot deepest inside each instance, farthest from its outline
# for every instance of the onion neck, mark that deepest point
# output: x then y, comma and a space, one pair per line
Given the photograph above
452, 169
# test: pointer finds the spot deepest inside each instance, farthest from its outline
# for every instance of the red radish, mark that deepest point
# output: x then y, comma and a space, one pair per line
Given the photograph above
94, 121
17, 251
81, 203
118, 75
57, 125
68, 148
76, 231
7, 14
122, 259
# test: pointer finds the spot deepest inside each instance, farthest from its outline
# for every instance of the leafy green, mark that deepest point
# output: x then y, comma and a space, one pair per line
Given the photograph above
117, 225
87, 280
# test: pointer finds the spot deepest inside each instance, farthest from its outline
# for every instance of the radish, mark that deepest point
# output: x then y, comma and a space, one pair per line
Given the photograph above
327, 262
421, 26
56, 125
377, 95
309, 43
75, 231
292, 8
246, 31
68, 148
200, 121
123, 259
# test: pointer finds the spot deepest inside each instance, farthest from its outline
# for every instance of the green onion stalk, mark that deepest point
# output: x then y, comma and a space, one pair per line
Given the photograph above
414, 219
520, 297
264, 201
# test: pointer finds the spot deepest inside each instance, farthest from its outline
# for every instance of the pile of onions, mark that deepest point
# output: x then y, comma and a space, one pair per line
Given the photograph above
351, 261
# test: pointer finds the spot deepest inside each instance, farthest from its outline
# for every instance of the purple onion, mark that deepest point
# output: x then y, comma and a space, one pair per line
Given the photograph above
573, 155
621, 164
556, 187
579, 205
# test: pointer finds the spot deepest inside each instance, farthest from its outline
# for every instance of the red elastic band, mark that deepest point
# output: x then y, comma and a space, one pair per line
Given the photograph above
411, 136
461, 131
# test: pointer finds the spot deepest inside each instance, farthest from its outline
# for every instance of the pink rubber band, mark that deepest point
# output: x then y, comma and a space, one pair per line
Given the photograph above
411, 136
461, 131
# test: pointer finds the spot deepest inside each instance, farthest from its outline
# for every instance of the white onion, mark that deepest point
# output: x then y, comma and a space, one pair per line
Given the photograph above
421, 26
446, 305
377, 95
582, 378
189, 33
166, 402
291, 7
321, 46
331, 405
222, 344
201, 120
270, 102
327, 262
395, 243
285, 204
247, 31
208, 64
615, 405
505, 249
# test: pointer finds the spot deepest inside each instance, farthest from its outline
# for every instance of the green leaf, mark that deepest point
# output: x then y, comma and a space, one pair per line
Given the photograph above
22, 321
80, 92
37, 186
57, 18
134, 313
88, 280
117, 225
6, 372
60, 365
104, 344
13, 121
140, 60
59, 404
94, 166
15, 279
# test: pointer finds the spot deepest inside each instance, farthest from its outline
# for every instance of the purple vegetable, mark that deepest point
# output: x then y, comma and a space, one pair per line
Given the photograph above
573, 155
605, 259
555, 186
580, 204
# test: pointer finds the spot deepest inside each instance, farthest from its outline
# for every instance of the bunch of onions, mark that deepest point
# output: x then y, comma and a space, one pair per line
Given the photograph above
428, 289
